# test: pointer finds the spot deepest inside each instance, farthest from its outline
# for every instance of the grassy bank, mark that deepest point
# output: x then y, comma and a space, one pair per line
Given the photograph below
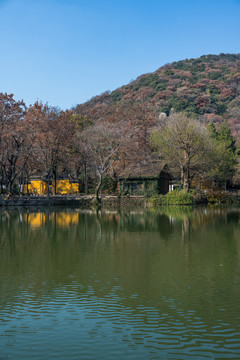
194, 197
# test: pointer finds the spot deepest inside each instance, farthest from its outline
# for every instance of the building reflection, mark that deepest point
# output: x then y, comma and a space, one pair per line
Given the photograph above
61, 219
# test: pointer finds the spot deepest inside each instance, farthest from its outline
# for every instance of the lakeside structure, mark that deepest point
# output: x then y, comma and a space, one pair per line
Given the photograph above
39, 186
150, 177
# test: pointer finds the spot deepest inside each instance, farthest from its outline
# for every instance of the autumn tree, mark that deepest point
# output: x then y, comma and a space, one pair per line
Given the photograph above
55, 131
78, 148
103, 142
16, 139
138, 120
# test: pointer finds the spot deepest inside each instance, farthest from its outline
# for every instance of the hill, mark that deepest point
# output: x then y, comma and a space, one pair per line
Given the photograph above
208, 86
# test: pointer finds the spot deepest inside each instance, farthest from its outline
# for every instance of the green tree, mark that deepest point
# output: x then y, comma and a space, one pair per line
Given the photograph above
225, 137
227, 161
185, 144
212, 130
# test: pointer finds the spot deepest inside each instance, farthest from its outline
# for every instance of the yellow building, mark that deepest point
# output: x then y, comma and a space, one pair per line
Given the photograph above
66, 186
35, 186
38, 186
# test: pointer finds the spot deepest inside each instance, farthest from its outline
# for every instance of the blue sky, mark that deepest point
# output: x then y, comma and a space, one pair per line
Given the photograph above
65, 51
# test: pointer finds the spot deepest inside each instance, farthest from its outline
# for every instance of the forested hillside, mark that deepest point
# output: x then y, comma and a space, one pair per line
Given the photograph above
208, 86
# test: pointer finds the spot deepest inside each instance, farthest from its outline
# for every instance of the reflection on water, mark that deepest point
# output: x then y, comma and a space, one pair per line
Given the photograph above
120, 284
62, 219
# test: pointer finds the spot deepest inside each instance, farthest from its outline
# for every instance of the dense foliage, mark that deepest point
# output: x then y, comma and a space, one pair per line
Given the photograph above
208, 86
181, 197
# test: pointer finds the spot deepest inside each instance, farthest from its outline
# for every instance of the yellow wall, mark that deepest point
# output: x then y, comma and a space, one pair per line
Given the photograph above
66, 187
35, 187
40, 187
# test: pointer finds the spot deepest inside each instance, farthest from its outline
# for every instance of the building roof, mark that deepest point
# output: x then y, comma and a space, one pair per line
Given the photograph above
144, 169
44, 178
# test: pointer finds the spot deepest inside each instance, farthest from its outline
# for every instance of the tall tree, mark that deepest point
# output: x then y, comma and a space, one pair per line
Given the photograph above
16, 139
226, 153
78, 148
138, 120
185, 144
55, 131
212, 130
103, 142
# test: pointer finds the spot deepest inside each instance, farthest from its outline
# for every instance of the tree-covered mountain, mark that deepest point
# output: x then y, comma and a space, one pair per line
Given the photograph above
208, 86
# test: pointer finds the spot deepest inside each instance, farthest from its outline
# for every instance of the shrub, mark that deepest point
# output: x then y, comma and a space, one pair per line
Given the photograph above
218, 196
175, 197
180, 197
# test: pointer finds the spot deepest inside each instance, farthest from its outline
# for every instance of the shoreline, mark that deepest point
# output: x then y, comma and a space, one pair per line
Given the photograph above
84, 201
88, 201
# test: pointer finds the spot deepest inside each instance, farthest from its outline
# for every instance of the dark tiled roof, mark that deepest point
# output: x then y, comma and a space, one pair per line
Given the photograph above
143, 169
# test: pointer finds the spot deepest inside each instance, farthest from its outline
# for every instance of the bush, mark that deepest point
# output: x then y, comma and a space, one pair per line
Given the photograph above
176, 197
218, 196
180, 197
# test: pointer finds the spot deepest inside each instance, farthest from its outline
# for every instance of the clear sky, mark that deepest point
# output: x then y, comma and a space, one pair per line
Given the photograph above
65, 51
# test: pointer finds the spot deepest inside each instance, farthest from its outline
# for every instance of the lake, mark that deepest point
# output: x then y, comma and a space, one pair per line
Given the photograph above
134, 284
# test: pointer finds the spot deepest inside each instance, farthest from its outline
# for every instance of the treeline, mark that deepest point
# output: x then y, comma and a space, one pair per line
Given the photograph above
45, 141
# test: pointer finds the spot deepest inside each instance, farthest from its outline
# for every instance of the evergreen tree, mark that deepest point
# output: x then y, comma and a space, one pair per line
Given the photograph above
212, 130
226, 149
224, 136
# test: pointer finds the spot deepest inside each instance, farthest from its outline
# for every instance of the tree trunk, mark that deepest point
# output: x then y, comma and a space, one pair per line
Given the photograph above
185, 172
10, 187
27, 187
54, 182
97, 190
48, 184
182, 177
186, 179
21, 185
85, 178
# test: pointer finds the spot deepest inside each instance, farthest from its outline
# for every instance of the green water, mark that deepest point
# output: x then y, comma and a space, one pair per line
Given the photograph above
120, 284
